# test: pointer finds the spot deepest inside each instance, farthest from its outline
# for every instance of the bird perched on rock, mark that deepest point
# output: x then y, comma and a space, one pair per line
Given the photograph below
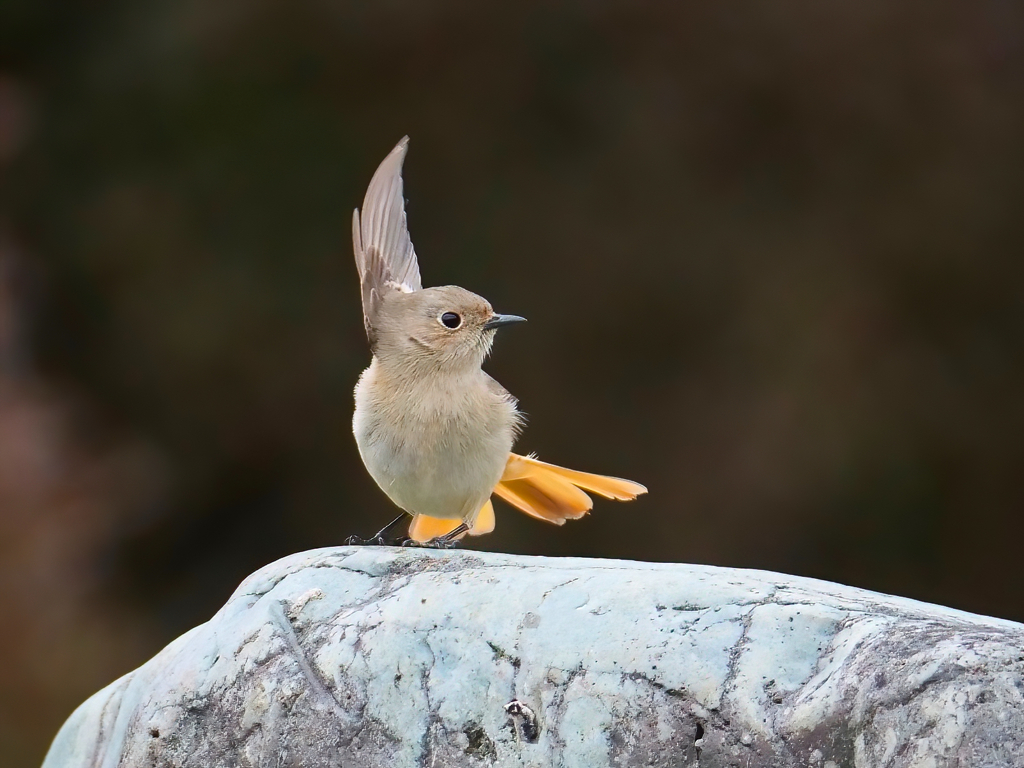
434, 431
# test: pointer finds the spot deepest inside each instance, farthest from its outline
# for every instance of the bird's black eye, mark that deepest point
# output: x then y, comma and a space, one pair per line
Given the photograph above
451, 320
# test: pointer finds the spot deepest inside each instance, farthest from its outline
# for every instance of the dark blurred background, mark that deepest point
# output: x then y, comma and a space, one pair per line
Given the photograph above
770, 253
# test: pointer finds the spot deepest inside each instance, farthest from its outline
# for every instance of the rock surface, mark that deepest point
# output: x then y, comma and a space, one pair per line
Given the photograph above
400, 657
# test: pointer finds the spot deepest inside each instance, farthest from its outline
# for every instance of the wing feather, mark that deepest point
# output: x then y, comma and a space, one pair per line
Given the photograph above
385, 257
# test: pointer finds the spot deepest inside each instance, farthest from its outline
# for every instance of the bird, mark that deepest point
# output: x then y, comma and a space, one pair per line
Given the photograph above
435, 431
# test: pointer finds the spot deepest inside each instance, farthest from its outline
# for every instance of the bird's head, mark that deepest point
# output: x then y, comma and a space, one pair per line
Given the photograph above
448, 327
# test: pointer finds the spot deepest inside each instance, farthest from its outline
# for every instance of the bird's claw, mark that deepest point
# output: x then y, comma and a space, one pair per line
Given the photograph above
374, 541
441, 542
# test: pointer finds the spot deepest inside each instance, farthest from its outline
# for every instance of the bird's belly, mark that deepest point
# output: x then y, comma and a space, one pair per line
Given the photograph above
441, 467
437, 488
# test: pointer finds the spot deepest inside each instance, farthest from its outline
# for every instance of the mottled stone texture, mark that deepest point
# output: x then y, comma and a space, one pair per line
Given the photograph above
402, 657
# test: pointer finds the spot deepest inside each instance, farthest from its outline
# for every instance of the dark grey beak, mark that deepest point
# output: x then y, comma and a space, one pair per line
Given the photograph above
499, 320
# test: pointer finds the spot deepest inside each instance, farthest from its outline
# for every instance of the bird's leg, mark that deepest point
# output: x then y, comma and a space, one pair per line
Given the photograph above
380, 534
378, 538
450, 539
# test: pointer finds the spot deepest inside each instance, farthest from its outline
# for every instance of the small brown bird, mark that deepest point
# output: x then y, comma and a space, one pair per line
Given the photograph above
434, 430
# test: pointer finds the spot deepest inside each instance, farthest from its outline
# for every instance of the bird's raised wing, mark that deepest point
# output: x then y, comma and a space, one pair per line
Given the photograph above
380, 238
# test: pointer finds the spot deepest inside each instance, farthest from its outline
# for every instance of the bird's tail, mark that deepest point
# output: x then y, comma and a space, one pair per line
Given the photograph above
556, 494
545, 491
424, 528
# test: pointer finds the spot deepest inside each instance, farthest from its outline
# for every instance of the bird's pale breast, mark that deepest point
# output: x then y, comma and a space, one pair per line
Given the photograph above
435, 445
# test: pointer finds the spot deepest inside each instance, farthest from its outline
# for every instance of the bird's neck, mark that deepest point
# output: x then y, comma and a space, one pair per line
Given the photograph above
412, 374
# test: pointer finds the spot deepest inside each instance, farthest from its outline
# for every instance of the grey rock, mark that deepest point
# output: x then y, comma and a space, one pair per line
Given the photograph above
399, 657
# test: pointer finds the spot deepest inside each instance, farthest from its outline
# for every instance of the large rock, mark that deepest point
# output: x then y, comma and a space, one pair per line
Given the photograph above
398, 657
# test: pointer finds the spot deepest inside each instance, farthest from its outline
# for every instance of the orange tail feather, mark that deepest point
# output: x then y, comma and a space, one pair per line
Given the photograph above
552, 493
545, 491
424, 528
484, 522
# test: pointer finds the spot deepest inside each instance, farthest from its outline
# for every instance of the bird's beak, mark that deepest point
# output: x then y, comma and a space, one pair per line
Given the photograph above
499, 320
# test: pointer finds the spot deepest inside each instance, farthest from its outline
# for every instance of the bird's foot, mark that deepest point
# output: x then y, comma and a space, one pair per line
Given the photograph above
440, 542
450, 540
359, 541
376, 541
379, 539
